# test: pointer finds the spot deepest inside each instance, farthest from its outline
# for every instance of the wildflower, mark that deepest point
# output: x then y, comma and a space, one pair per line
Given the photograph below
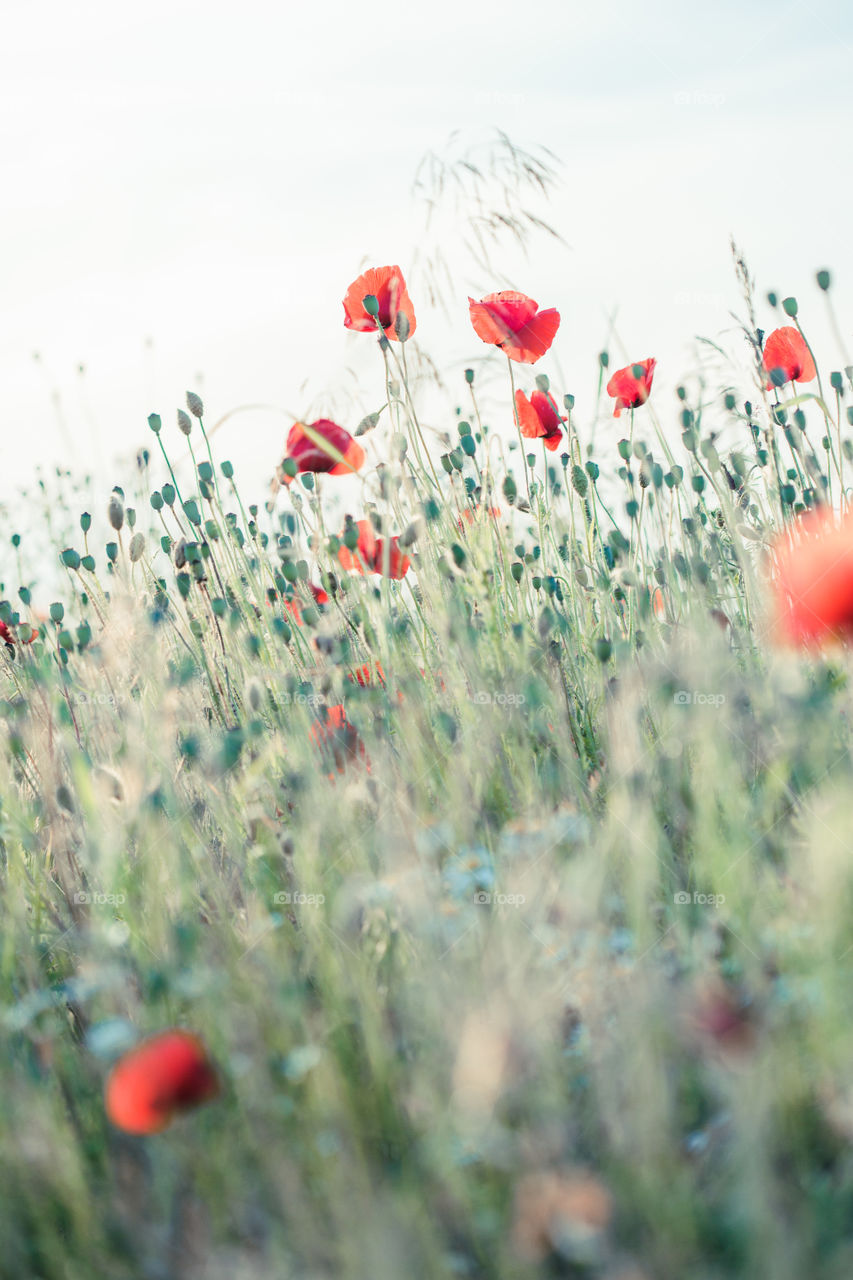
295, 606
469, 515
513, 322
165, 1074
364, 675
813, 579
337, 739
369, 553
394, 312
787, 358
322, 447
22, 633
538, 419
632, 385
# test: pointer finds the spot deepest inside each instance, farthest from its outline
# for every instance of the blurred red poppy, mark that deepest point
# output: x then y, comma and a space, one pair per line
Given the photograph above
164, 1075
370, 553
632, 385
294, 605
513, 322
337, 740
22, 634
813, 579
364, 675
387, 286
322, 446
469, 515
787, 358
539, 419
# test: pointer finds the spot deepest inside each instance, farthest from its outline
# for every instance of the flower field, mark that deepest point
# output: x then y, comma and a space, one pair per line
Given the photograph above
463, 887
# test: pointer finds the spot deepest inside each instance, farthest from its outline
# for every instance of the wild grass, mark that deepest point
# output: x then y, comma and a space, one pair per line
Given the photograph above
553, 977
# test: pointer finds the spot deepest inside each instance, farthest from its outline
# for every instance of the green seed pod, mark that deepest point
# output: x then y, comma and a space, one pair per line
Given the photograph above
85, 522
154, 422
70, 558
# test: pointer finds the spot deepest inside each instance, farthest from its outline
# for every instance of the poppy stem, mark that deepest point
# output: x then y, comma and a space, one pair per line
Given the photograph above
518, 427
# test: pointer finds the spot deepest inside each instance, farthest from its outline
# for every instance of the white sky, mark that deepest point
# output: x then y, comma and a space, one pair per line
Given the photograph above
187, 190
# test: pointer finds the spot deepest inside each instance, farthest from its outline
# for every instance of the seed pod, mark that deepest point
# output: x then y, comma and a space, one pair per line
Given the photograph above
115, 512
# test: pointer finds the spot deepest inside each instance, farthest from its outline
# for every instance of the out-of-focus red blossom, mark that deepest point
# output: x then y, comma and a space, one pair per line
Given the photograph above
370, 553
538, 419
813, 579
387, 286
22, 634
294, 605
631, 390
513, 322
168, 1073
305, 447
337, 740
719, 1019
786, 350
470, 514
364, 675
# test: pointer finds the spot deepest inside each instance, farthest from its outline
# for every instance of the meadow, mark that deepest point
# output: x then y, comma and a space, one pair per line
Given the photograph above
483, 857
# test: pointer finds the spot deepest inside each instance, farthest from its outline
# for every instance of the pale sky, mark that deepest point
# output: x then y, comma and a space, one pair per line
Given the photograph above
188, 189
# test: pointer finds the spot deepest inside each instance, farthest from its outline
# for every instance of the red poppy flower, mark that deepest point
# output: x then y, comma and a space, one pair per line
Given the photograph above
387, 286
295, 606
337, 740
364, 675
23, 633
630, 388
813, 579
539, 419
785, 352
322, 447
469, 515
370, 553
513, 322
165, 1074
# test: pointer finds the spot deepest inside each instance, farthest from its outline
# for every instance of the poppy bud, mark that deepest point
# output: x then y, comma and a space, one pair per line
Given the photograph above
789, 306
469, 377
115, 512
137, 547
184, 422
195, 405
180, 553
371, 304
168, 492
824, 280
154, 422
